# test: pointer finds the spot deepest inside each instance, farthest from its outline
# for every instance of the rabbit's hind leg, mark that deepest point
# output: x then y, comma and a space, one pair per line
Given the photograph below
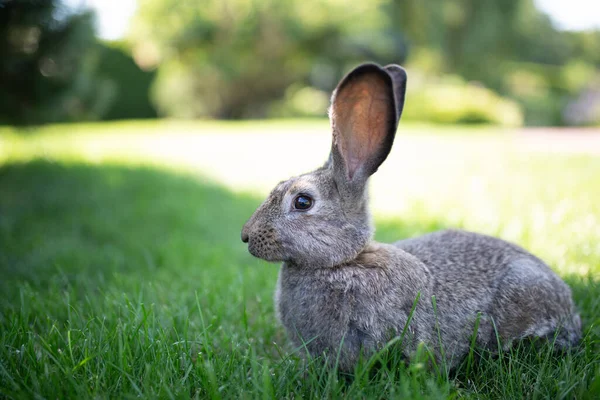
533, 302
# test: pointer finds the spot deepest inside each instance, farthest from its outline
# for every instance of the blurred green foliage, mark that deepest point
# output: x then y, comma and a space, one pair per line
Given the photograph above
42, 74
234, 58
129, 85
483, 61
258, 58
451, 100
53, 69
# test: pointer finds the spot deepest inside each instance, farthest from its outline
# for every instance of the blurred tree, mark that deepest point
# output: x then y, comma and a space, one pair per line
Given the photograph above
508, 46
586, 45
233, 58
45, 75
128, 84
476, 37
255, 58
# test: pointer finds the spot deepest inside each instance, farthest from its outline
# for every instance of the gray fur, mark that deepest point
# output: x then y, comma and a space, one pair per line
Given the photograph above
339, 292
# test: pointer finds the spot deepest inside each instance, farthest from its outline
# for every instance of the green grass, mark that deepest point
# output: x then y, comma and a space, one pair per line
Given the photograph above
122, 273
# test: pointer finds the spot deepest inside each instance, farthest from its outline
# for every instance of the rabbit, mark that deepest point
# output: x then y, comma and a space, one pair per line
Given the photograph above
343, 295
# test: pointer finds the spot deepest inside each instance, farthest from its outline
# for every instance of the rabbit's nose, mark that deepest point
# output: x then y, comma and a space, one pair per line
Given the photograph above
245, 237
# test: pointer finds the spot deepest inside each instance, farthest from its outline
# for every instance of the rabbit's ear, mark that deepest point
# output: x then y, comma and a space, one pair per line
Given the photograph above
364, 113
398, 74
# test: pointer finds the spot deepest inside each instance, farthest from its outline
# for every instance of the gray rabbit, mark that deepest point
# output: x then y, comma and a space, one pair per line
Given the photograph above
344, 295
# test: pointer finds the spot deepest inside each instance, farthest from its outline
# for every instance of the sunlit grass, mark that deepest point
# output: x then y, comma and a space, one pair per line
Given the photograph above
123, 274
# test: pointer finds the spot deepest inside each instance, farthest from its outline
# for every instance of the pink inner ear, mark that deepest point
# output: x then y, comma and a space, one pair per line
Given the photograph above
361, 111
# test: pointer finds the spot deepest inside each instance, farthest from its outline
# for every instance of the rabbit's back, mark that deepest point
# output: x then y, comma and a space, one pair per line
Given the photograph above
467, 259
475, 273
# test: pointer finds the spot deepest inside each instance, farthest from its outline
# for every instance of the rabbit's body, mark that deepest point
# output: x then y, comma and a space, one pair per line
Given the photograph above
342, 294
356, 307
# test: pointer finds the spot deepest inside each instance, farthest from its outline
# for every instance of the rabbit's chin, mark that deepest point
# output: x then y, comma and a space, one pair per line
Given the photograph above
313, 260
265, 255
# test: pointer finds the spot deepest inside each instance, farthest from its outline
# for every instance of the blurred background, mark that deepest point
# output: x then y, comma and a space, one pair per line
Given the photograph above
509, 62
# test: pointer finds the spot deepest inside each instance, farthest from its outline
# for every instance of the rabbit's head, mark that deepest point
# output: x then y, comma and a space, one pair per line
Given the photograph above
321, 219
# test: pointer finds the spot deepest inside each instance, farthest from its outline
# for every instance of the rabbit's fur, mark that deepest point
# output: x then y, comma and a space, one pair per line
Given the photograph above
342, 294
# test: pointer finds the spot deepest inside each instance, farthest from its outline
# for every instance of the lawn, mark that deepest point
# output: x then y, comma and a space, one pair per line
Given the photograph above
123, 275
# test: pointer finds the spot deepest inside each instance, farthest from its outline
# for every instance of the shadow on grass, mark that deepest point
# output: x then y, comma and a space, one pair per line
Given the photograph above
86, 222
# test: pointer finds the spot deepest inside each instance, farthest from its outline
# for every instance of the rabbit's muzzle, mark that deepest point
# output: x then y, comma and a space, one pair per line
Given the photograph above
262, 243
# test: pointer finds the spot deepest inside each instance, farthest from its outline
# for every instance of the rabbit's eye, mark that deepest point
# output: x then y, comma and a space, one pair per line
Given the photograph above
303, 202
